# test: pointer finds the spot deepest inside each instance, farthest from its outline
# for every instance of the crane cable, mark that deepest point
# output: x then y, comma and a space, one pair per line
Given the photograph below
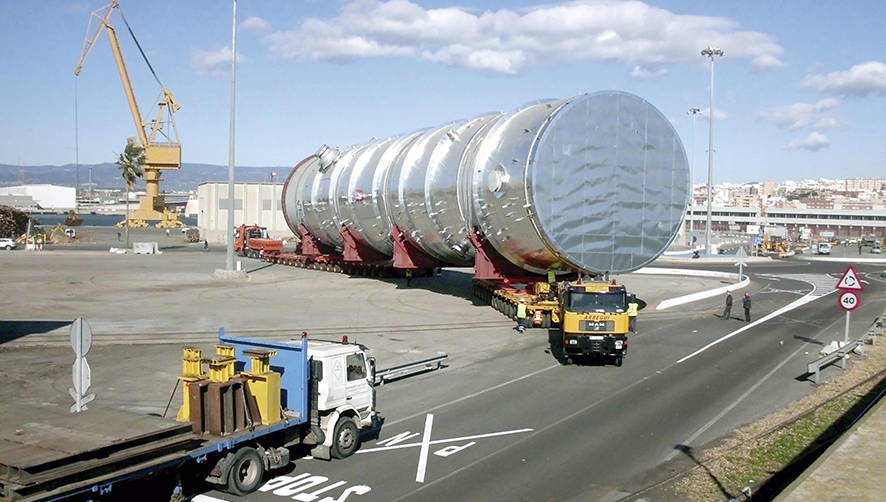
140, 48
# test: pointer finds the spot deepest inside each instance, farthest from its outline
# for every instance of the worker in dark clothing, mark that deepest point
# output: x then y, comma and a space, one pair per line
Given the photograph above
746, 303
728, 310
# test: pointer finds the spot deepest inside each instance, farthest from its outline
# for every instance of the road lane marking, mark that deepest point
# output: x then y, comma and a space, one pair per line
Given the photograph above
741, 398
811, 296
423, 455
444, 441
475, 394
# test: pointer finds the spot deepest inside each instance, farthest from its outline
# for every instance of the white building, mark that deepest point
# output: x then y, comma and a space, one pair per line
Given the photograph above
254, 204
47, 197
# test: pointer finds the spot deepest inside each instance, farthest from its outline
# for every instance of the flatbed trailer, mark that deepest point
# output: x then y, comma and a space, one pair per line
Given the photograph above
231, 434
121, 447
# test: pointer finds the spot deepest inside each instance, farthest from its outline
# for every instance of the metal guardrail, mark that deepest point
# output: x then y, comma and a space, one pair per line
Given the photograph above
407, 369
876, 329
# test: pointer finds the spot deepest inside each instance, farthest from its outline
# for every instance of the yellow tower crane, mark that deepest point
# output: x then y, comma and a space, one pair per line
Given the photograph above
161, 145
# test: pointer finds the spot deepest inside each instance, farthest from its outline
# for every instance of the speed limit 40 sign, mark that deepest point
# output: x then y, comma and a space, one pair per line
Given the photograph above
849, 301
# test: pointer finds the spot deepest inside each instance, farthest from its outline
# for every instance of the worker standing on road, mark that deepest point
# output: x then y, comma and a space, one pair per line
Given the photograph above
728, 310
633, 307
746, 303
521, 316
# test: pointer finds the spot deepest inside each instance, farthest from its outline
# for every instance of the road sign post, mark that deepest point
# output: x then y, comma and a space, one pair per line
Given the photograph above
81, 341
849, 300
741, 259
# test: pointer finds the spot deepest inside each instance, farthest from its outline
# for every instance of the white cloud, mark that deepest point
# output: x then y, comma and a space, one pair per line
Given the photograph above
718, 114
826, 123
814, 142
802, 115
860, 80
213, 62
255, 25
644, 72
509, 41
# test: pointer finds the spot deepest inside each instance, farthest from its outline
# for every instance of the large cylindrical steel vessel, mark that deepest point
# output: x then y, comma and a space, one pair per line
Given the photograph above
594, 183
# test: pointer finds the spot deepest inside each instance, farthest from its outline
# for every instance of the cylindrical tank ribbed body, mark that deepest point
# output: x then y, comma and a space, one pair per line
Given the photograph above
594, 183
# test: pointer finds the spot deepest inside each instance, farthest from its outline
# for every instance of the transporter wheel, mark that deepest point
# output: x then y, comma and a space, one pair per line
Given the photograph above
246, 471
346, 438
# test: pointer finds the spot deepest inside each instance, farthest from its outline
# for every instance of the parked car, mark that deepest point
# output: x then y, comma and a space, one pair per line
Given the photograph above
7, 243
877, 250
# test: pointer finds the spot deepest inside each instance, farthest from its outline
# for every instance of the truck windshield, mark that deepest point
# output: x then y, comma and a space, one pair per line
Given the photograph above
581, 301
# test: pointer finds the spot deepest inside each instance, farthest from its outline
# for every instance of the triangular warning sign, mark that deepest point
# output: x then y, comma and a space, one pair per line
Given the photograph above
850, 281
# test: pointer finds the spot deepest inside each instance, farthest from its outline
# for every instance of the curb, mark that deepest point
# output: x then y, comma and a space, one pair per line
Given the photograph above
701, 295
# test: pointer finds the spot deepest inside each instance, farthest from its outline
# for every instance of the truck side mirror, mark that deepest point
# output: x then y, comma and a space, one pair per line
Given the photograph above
317, 369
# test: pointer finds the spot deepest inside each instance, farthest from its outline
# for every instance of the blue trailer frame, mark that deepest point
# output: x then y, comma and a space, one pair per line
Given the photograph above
293, 364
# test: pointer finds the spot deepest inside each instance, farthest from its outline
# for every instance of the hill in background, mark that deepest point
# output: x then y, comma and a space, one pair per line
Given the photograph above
107, 175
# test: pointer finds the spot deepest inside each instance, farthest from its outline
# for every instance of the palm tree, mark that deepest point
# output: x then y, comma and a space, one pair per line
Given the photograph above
130, 163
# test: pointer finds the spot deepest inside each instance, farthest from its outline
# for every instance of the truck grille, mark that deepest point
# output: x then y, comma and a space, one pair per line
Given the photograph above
597, 326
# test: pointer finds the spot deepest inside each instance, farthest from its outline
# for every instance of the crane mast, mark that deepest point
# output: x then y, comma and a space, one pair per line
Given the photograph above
161, 145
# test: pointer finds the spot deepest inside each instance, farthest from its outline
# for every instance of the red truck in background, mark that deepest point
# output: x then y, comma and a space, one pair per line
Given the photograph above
253, 241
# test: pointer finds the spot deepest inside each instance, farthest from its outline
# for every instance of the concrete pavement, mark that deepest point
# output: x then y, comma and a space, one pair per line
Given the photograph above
849, 468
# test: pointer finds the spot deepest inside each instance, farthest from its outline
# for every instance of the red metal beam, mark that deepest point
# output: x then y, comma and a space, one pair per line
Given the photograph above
407, 256
310, 245
357, 252
491, 265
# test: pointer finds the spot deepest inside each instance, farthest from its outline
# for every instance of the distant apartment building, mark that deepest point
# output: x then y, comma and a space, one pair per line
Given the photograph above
856, 205
768, 188
817, 203
871, 184
746, 201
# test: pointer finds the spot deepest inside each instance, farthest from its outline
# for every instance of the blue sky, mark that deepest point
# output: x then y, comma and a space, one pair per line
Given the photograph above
800, 92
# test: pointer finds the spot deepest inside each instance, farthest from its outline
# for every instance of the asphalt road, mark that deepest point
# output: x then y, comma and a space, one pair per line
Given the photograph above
521, 426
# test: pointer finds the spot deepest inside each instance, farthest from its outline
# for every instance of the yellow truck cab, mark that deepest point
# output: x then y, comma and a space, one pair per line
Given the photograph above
594, 320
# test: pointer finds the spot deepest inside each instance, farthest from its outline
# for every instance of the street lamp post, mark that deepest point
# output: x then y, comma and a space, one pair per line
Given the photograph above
694, 112
713, 53
229, 255
273, 202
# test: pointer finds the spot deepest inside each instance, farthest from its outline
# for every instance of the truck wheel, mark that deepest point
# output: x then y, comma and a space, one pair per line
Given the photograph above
345, 439
619, 360
246, 471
